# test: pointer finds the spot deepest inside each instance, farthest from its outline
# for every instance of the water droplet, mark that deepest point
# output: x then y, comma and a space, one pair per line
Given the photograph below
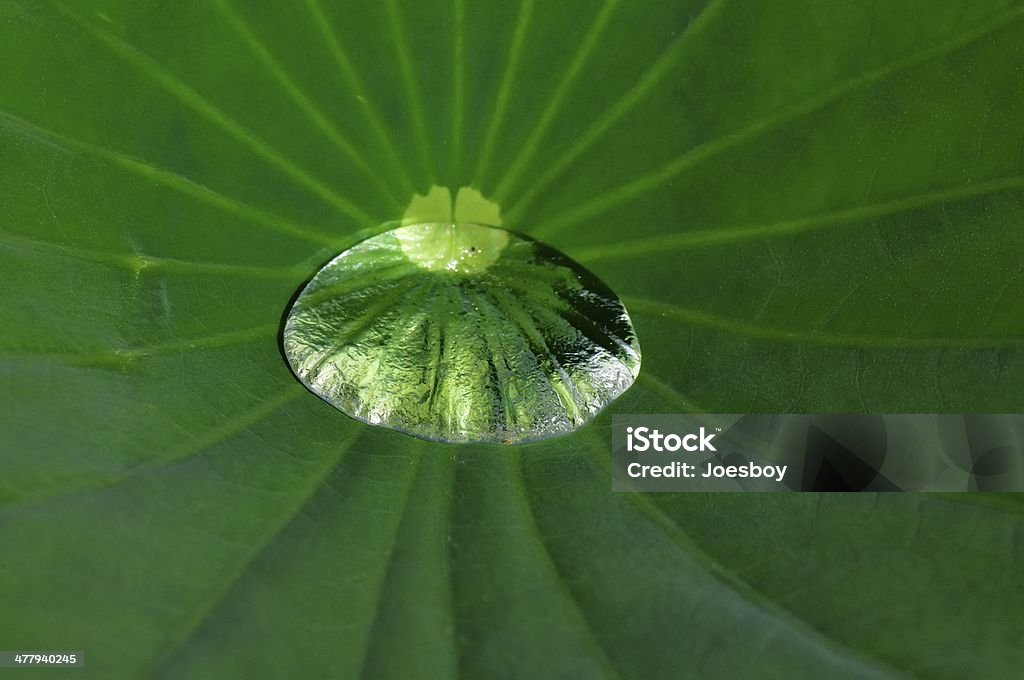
461, 332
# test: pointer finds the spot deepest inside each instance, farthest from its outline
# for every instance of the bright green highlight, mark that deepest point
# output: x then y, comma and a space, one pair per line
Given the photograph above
446, 246
468, 206
462, 333
466, 248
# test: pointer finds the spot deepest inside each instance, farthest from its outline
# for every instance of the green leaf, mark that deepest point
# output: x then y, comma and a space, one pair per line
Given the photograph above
806, 206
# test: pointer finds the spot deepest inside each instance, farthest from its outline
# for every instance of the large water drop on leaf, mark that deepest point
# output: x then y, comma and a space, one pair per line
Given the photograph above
461, 333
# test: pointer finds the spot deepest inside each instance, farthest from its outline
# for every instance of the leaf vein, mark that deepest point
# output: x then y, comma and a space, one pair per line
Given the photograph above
184, 185
412, 89
616, 111
504, 87
137, 262
562, 89
674, 531
234, 425
707, 150
767, 333
193, 100
300, 98
257, 548
863, 213
570, 604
